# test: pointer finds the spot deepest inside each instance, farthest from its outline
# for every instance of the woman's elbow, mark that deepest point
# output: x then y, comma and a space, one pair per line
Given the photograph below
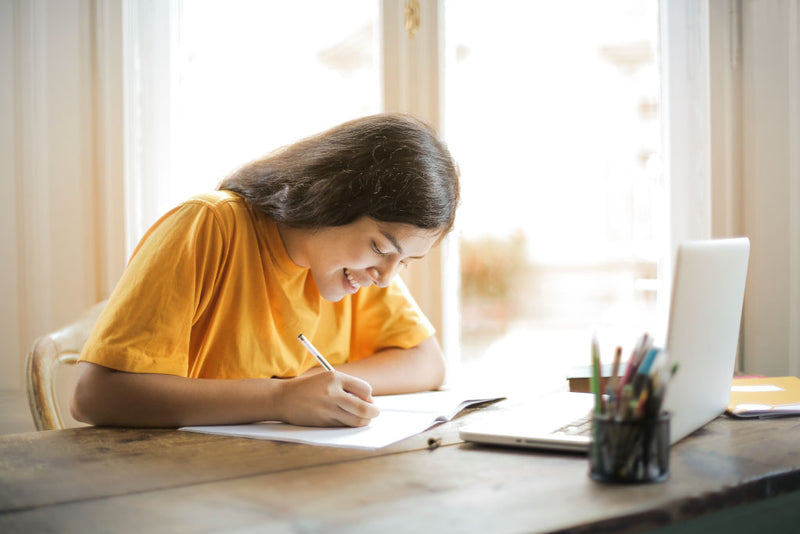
439, 373
78, 408
435, 363
79, 412
83, 404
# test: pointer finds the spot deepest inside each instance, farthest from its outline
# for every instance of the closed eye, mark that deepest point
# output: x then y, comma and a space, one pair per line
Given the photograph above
377, 251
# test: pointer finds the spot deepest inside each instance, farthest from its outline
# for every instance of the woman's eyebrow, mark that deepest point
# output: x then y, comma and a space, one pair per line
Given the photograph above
393, 241
397, 246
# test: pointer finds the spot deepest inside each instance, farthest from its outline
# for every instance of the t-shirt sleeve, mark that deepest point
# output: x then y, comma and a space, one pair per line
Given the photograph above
385, 318
147, 324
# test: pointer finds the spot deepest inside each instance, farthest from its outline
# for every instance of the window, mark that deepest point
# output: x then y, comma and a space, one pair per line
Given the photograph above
248, 82
242, 78
552, 109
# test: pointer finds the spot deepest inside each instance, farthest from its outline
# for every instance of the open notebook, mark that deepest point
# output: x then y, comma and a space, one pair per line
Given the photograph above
702, 336
401, 416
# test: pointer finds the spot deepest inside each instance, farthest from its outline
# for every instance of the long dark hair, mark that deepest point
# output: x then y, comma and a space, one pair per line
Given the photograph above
390, 167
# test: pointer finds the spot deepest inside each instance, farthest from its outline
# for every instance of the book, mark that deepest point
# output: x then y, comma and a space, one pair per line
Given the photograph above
401, 416
579, 377
764, 397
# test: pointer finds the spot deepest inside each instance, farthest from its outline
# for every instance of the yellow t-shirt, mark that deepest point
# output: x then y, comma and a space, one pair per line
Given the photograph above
210, 292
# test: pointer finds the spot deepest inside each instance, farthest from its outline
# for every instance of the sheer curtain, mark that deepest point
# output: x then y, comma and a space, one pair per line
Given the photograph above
61, 164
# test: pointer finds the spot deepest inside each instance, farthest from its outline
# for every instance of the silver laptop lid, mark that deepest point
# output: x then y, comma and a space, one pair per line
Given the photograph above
703, 332
703, 329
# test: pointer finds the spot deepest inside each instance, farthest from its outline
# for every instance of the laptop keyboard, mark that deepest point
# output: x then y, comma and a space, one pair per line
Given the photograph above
579, 427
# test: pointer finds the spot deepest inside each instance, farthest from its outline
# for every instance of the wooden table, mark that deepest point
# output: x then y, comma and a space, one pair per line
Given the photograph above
135, 480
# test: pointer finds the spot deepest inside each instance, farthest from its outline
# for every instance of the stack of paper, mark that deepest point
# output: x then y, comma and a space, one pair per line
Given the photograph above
765, 397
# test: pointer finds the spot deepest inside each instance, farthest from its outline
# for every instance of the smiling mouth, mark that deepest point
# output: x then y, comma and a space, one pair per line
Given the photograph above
350, 280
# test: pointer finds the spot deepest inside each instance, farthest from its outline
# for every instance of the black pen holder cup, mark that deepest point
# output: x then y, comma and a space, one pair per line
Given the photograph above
632, 451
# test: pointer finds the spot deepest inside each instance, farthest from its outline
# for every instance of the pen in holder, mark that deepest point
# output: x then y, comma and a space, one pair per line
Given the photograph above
630, 432
630, 450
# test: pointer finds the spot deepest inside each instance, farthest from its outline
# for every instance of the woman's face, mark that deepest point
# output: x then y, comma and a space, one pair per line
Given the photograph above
344, 259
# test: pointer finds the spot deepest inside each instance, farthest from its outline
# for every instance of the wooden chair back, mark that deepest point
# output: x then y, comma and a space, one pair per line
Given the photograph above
47, 354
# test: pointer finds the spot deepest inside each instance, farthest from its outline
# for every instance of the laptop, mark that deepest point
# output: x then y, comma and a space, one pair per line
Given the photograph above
702, 337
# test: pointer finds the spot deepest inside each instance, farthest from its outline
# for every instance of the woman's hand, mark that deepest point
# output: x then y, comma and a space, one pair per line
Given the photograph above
104, 396
327, 399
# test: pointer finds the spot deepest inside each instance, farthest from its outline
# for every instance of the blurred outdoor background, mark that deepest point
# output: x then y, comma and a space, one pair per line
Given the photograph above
550, 108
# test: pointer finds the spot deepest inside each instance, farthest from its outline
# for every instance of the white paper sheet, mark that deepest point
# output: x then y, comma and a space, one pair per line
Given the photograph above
401, 416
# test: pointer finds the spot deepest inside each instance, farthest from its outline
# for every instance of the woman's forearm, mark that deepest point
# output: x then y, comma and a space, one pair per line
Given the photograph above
393, 371
104, 396
107, 397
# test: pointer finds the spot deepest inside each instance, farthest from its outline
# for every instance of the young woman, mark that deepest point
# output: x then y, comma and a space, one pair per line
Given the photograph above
203, 326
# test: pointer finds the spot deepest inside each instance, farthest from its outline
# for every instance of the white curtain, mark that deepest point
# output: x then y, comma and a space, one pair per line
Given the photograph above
62, 237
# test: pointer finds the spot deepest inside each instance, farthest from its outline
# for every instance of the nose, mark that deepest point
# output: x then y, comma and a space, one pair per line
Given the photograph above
383, 274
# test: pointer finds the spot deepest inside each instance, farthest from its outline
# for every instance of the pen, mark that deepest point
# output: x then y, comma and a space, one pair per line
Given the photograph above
664, 379
626, 397
613, 380
647, 362
641, 378
595, 379
638, 410
315, 353
631, 367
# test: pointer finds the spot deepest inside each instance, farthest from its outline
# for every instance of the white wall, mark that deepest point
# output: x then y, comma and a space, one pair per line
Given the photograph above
770, 48
732, 91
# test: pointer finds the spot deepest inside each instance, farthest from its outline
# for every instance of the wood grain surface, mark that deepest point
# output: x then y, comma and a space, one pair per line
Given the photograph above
123, 480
